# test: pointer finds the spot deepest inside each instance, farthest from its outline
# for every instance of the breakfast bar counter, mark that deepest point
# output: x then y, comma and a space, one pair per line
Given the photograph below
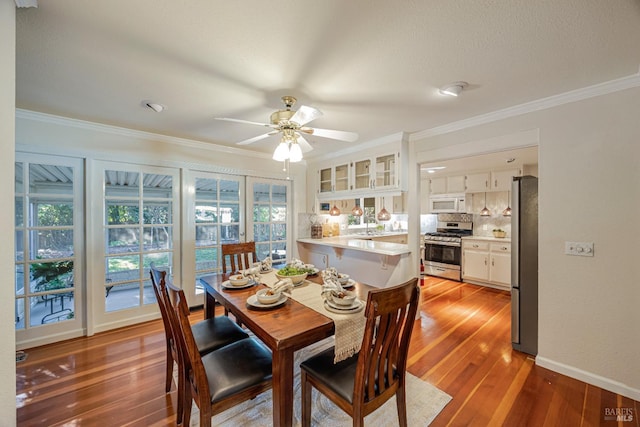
380, 264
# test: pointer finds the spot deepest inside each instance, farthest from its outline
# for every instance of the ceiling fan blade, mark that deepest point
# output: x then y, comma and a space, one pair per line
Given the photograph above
256, 138
304, 145
333, 134
305, 114
226, 119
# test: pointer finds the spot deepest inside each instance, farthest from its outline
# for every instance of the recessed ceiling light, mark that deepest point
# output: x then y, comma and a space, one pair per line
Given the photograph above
433, 169
453, 89
158, 108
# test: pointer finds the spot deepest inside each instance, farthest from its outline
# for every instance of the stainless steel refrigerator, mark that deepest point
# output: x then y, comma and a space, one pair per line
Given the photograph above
524, 264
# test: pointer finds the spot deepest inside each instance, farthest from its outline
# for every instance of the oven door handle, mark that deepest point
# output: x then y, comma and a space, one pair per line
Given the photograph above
454, 244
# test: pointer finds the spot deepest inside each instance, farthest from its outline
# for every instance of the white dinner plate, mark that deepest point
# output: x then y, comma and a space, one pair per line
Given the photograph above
227, 285
253, 302
335, 308
350, 284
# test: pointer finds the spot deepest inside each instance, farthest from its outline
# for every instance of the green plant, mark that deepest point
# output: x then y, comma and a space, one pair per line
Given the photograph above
52, 275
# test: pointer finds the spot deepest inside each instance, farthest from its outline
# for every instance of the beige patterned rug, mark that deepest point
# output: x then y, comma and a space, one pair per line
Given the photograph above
424, 402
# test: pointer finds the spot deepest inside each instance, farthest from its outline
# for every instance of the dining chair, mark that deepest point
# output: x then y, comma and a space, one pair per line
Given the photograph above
221, 379
362, 383
241, 256
209, 334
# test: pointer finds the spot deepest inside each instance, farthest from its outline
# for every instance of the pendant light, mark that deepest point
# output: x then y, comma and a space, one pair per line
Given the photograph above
384, 214
334, 211
357, 210
507, 212
485, 211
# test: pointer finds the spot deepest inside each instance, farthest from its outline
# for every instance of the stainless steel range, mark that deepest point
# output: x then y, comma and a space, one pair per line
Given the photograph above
443, 249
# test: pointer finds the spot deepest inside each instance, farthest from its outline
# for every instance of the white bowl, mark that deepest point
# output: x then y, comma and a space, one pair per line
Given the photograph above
343, 278
296, 280
238, 280
266, 296
346, 298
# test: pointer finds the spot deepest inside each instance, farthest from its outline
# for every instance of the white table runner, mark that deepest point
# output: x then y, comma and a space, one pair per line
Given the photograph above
349, 328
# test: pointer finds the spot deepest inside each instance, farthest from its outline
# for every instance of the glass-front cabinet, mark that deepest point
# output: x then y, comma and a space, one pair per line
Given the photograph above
382, 176
334, 179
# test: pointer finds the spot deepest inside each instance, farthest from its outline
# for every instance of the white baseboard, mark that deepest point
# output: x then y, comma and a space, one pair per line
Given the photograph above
589, 378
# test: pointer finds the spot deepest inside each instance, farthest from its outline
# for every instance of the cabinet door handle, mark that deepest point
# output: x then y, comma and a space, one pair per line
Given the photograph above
495, 183
486, 184
492, 262
475, 246
485, 261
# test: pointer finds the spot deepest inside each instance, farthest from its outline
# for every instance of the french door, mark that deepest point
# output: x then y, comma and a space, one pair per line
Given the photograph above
49, 246
223, 208
215, 214
134, 221
268, 223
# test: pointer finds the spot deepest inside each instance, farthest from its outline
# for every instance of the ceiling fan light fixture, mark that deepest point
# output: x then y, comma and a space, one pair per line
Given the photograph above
295, 152
453, 89
282, 152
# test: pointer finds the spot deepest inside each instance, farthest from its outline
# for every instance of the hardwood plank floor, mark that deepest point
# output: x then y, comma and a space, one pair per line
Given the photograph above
461, 344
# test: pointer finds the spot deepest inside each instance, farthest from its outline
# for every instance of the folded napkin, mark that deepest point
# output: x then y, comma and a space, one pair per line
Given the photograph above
265, 264
252, 273
283, 285
331, 284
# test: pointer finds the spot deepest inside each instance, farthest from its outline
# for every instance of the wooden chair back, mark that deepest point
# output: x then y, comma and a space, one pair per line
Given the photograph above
382, 361
159, 289
241, 256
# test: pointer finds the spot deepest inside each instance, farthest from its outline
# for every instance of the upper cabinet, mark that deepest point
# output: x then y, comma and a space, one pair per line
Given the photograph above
334, 180
375, 170
490, 181
376, 173
447, 185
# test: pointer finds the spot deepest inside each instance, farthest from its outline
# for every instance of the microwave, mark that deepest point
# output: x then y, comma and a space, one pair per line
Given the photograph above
447, 204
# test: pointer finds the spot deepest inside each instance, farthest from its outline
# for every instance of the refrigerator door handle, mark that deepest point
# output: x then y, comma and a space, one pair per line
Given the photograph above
515, 316
515, 234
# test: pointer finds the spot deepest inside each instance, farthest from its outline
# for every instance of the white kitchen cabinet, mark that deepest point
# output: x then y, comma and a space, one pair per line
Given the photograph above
501, 180
477, 182
376, 173
475, 258
500, 268
333, 180
487, 262
447, 184
438, 185
490, 181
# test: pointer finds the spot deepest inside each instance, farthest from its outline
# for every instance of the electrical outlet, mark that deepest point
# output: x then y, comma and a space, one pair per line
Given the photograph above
578, 248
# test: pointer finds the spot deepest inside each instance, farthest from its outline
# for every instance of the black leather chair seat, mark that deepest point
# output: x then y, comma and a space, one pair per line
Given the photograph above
235, 367
340, 377
211, 334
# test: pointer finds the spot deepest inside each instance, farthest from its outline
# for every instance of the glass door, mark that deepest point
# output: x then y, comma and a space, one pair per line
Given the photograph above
215, 209
268, 208
49, 236
139, 225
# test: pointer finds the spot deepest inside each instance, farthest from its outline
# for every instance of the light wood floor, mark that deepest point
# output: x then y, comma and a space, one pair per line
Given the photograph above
461, 345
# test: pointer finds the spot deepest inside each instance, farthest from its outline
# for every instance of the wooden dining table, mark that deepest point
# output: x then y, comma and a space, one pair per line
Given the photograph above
284, 330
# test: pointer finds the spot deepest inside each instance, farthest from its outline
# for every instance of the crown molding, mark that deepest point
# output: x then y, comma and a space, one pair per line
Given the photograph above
540, 104
136, 134
393, 138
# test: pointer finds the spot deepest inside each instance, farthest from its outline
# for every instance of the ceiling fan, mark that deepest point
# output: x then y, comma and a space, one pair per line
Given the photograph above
292, 125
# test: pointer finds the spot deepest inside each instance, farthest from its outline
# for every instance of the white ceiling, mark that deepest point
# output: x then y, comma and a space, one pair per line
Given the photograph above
372, 66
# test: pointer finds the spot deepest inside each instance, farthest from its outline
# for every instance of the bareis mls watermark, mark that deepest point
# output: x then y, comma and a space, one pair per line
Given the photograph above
618, 414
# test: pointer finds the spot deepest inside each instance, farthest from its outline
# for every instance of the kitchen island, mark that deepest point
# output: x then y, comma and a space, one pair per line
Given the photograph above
365, 259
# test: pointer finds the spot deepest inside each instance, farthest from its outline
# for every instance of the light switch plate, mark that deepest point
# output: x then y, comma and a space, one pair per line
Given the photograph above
578, 248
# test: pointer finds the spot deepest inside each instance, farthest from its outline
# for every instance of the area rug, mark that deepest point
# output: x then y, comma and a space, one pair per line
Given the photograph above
424, 402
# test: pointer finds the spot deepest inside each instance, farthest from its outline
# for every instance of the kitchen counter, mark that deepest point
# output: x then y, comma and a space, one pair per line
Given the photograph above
361, 243
488, 238
379, 264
